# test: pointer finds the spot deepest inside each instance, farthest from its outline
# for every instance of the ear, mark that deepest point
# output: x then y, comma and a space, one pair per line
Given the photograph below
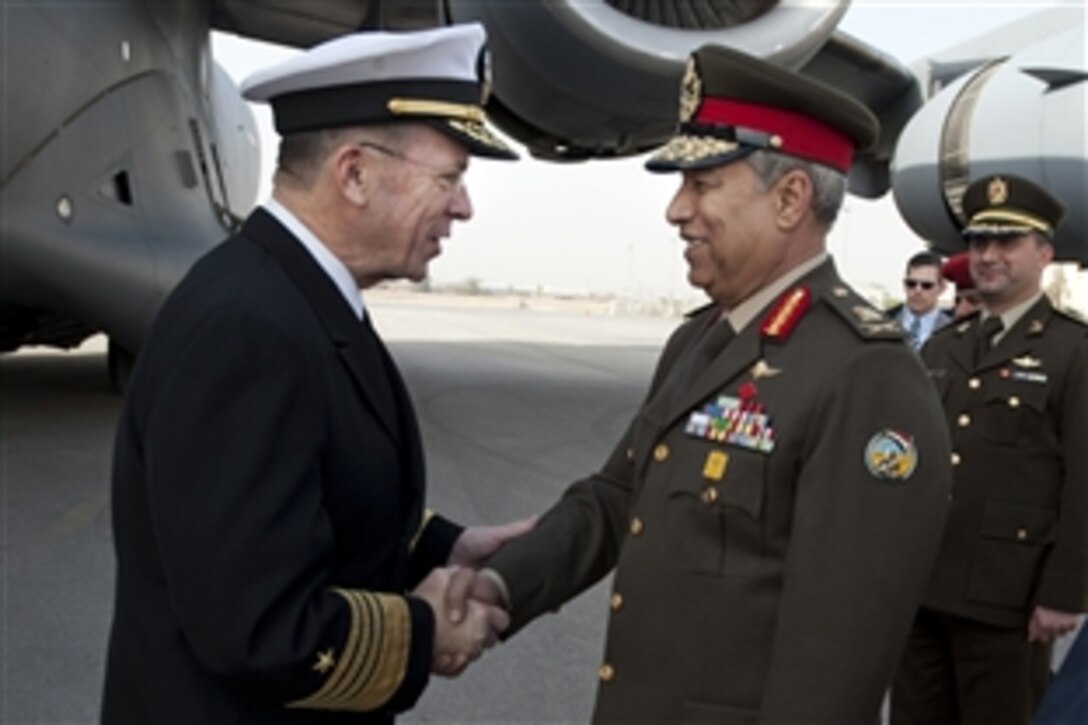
352, 174
1046, 252
793, 198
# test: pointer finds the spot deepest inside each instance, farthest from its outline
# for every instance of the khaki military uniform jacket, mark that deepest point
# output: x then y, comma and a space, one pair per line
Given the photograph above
1019, 419
770, 576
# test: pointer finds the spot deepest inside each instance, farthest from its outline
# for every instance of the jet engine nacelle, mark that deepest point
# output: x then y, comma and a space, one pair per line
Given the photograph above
579, 79
1023, 115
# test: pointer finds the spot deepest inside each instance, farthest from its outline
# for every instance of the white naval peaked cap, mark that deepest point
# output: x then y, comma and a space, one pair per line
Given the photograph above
439, 77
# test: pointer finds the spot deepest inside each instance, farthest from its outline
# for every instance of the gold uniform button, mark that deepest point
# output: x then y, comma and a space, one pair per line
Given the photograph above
710, 495
630, 454
974, 383
661, 452
636, 526
606, 672
616, 601
964, 420
955, 458
1014, 402
1021, 534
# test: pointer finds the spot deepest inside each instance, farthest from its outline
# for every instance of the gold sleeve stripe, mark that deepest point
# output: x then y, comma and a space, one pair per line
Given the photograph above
427, 516
375, 655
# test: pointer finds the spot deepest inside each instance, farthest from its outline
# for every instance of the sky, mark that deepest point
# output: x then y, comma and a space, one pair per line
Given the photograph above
599, 227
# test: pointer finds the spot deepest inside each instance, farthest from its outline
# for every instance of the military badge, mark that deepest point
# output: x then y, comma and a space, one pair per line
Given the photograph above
762, 370
1035, 327
868, 314
691, 92
1029, 376
716, 463
998, 191
1027, 361
891, 456
739, 421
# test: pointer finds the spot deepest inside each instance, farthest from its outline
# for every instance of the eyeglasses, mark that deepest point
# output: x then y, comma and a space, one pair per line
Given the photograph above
923, 283
450, 181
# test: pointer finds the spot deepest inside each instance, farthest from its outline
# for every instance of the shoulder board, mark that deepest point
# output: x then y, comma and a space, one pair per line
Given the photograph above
959, 326
699, 310
866, 320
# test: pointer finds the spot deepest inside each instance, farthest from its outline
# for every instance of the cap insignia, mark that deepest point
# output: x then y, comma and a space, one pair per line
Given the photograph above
997, 191
691, 91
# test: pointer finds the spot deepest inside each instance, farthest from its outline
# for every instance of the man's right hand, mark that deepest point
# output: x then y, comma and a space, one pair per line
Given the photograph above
461, 640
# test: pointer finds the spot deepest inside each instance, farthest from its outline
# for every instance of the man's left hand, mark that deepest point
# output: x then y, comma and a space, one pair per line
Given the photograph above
477, 543
1046, 625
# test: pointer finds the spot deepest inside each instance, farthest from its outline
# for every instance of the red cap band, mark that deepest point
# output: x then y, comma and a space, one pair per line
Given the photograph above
801, 136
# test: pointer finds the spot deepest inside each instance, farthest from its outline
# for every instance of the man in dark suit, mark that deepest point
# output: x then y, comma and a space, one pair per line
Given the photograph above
275, 561
773, 510
1010, 577
920, 315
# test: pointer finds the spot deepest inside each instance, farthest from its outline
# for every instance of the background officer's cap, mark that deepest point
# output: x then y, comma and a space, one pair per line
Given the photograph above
956, 270
732, 104
1004, 205
438, 77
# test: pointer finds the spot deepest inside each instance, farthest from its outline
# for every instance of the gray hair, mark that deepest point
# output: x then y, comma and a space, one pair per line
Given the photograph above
301, 154
828, 185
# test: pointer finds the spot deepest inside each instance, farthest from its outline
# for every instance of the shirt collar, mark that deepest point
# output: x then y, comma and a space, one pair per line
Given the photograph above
1011, 316
743, 314
325, 259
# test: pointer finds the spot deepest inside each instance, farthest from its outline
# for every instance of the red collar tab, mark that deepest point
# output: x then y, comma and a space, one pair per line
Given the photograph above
786, 313
790, 132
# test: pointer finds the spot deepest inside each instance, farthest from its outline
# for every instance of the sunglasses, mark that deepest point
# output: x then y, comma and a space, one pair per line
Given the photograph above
923, 283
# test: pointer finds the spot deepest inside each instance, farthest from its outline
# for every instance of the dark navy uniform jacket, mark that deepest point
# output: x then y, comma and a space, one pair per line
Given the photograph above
268, 490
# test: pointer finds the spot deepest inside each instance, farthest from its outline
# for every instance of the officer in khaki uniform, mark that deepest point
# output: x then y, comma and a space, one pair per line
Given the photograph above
774, 508
1014, 381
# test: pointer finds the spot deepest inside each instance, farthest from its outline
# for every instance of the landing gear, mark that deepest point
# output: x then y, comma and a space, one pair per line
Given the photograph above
120, 362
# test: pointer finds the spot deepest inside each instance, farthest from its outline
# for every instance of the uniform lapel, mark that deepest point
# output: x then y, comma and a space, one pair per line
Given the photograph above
738, 356
684, 387
359, 348
962, 347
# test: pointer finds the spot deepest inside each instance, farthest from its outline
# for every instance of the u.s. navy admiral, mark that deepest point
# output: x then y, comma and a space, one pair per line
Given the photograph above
275, 563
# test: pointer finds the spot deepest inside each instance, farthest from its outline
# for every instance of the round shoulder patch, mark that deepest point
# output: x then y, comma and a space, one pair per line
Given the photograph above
891, 456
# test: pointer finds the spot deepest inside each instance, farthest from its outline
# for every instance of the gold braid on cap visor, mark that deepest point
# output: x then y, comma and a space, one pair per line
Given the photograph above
440, 109
693, 148
994, 218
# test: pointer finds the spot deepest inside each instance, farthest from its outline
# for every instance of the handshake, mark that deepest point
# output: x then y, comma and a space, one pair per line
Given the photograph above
469, 615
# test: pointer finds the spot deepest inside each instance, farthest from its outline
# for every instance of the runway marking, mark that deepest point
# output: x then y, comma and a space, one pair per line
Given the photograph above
76, 517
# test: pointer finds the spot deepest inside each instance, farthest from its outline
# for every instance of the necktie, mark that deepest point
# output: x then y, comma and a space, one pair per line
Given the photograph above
914, 335
986, 331
713, 342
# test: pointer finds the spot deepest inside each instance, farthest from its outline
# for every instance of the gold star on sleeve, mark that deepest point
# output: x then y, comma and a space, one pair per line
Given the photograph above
374, 659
